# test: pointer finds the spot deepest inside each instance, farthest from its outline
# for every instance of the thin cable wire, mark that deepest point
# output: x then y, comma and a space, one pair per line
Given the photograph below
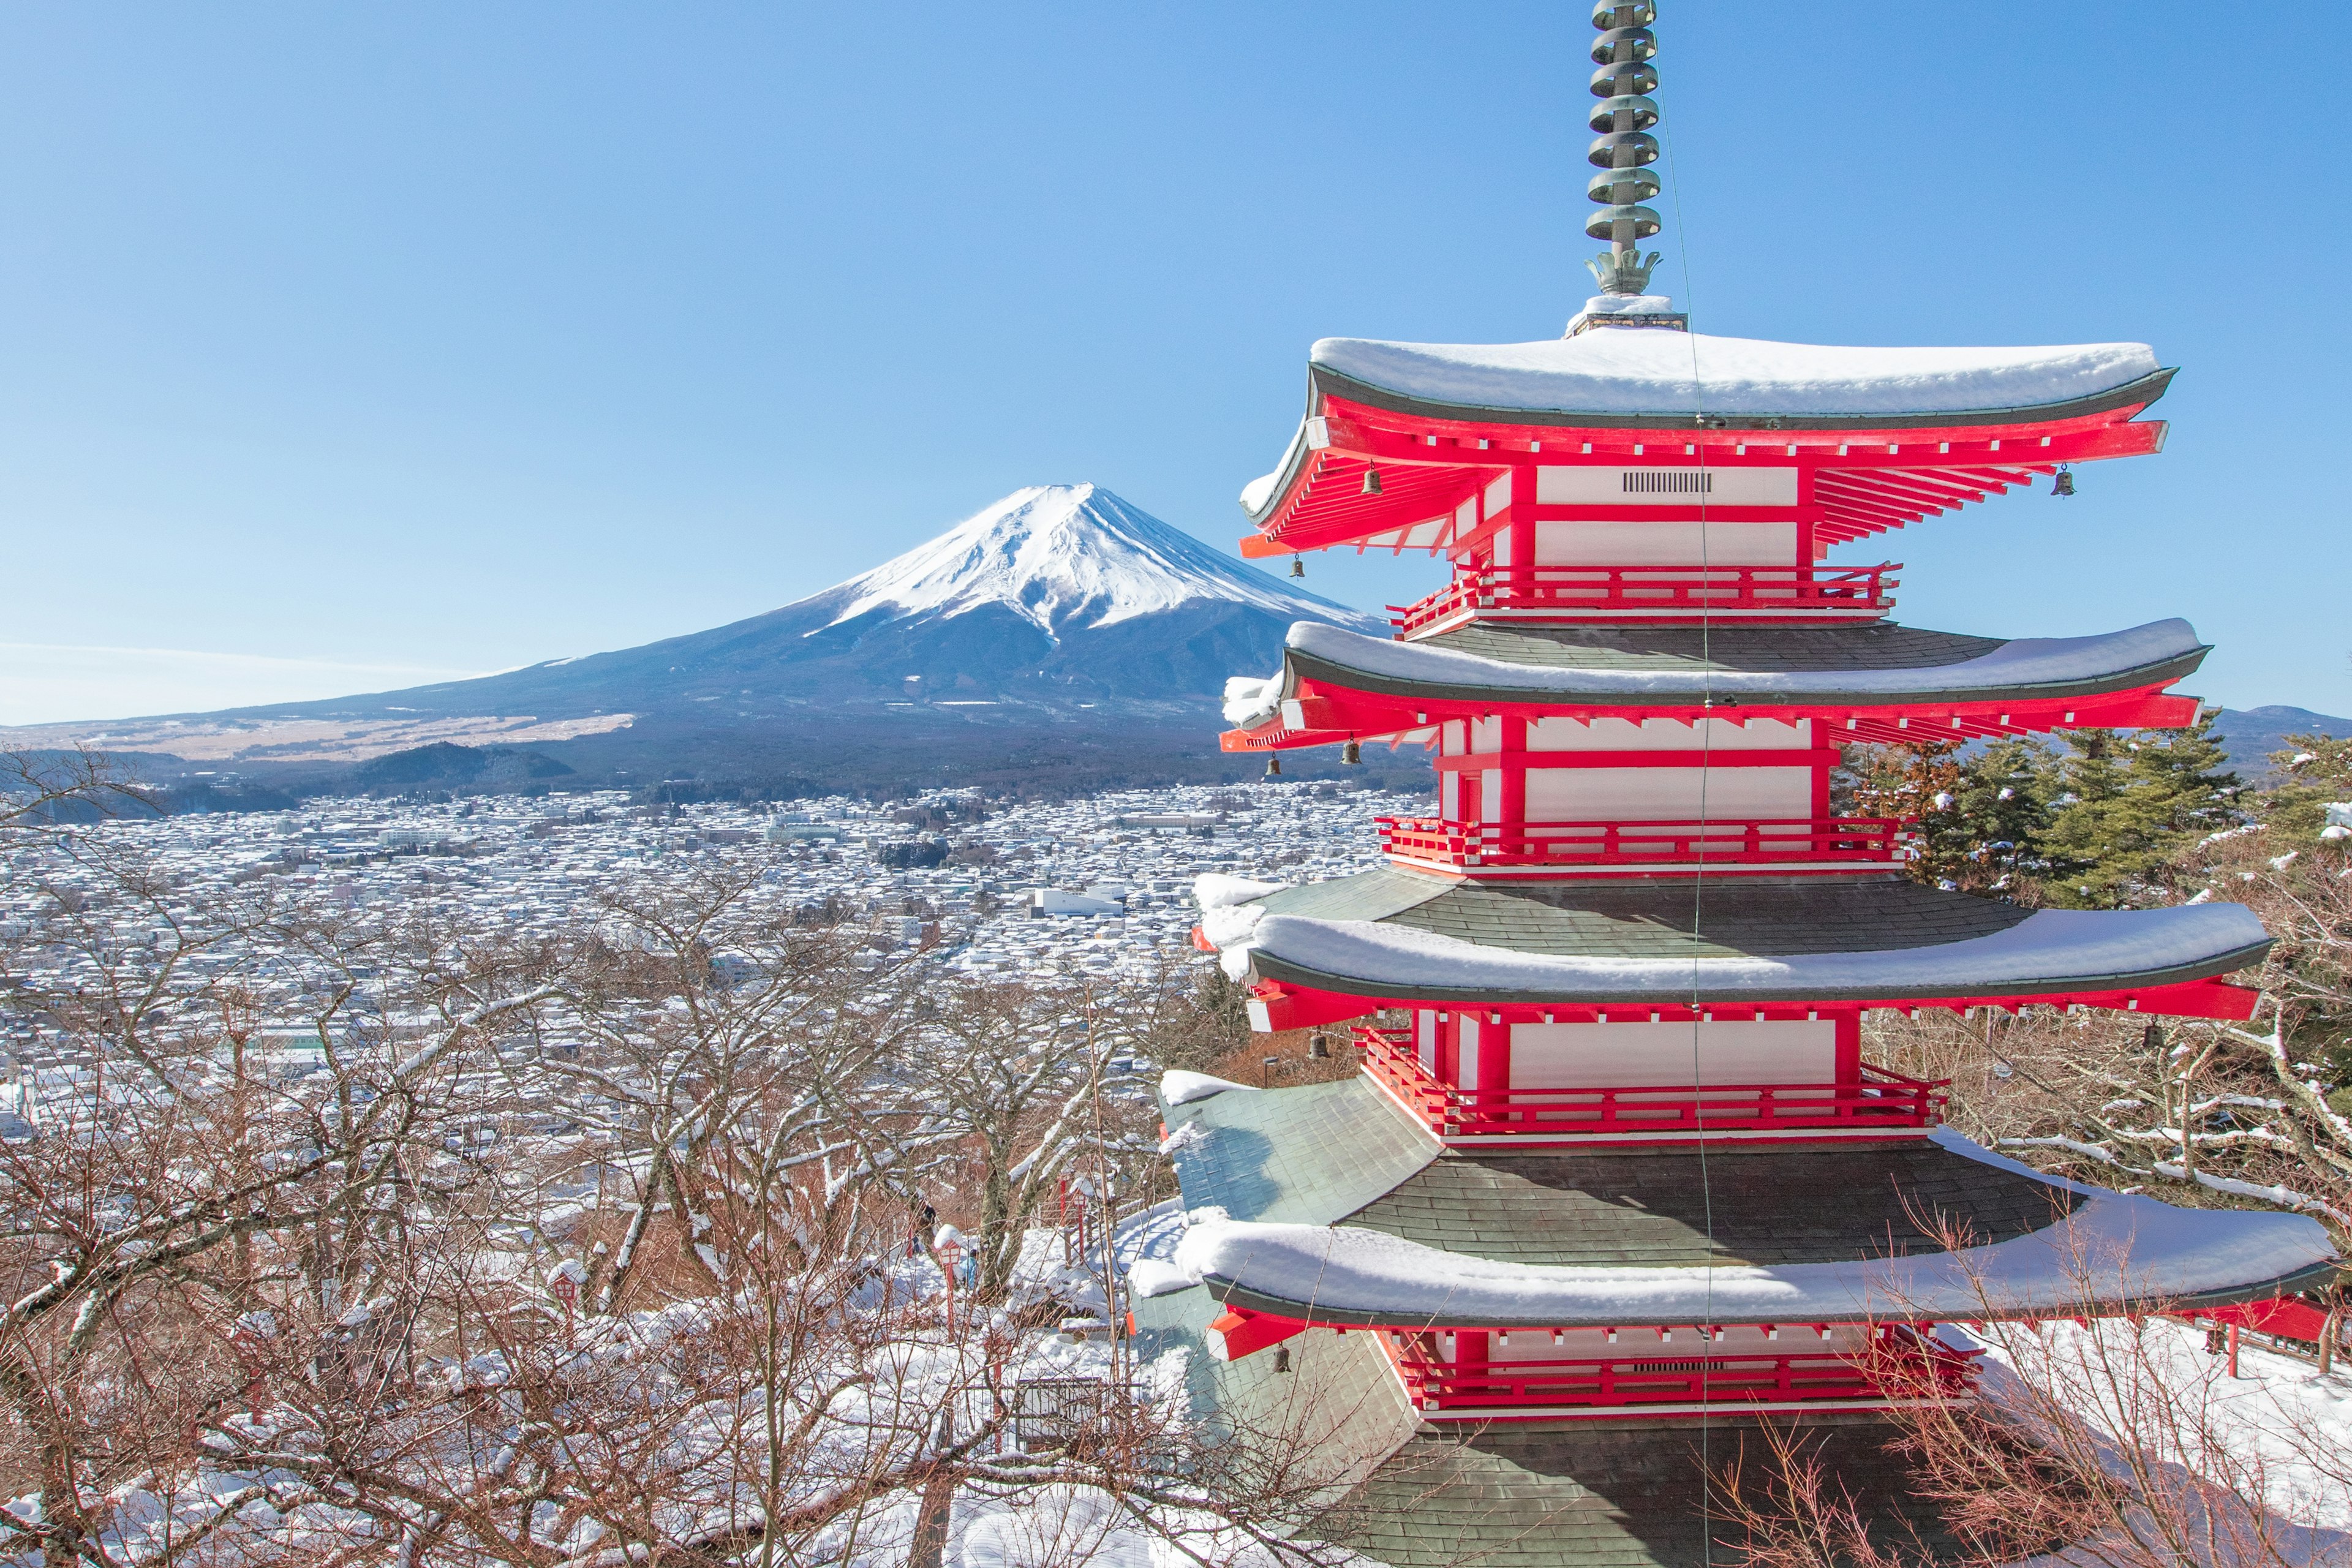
1698, 877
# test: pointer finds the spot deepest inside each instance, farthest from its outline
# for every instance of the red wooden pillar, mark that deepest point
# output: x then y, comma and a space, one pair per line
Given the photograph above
1514, 761
1848, 1021
1522, 512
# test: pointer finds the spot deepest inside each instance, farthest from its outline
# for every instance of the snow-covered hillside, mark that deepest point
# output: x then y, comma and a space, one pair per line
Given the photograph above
1063, 556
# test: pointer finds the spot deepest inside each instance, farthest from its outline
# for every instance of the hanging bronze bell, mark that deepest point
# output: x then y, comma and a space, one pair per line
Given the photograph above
1273, 767
1352, 753
1297, 566
1371, 481
2063, 483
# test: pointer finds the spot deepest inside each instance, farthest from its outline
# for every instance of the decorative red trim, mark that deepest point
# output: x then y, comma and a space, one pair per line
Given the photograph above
1519, 760
1673, 593
1240, 1331
1332, 714
2187, 999
1901, 1362
1573, 846
1872, 1098
1879, 479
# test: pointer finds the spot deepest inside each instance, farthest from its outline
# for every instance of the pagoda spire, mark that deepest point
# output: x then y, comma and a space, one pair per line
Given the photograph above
1626, 51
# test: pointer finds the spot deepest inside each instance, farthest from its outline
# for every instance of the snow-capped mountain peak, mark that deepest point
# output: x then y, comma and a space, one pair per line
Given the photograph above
1066, 557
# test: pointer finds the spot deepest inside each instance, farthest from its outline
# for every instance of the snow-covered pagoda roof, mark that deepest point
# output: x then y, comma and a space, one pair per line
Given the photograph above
2119, 1252
1617, 376
1342, 680
1338, 1210
1888, 435
1402, 935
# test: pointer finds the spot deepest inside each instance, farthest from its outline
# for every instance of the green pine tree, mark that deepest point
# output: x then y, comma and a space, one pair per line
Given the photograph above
2312, 773
1991, 838
2127, 804
1977, 821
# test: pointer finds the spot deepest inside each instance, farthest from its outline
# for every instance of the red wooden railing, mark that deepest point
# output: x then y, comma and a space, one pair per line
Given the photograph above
1864, 840
1673, 591
1899, 1363
1880, 1099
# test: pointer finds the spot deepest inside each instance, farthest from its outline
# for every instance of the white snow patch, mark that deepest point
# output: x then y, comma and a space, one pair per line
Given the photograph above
1216, 891
1153, 1276
1250, 697
1628, 305
1069, 556
2276, 1416
1652, 373
1223, 927
1178, 1087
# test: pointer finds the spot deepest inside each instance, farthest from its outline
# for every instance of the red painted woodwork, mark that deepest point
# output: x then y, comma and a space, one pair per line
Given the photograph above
2284, 1317
1861, 841
1240, 1331
1326, 714
1518, 759
1876, 1098
1668, 593
1901, 1363
1307, 1004
1854, 482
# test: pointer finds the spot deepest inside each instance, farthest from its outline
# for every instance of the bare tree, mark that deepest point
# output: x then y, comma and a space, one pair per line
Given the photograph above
2108, 1439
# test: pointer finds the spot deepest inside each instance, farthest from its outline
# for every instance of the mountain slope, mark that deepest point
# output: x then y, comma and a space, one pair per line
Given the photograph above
1057, 595
2249, 735
1064, 557
1058, 598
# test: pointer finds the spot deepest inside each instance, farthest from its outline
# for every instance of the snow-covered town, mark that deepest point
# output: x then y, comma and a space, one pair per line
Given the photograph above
1100, 885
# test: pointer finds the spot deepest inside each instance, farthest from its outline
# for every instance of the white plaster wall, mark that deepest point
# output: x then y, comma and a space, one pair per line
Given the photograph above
1669, 795
1690, 543
1668, 735
1622, 1056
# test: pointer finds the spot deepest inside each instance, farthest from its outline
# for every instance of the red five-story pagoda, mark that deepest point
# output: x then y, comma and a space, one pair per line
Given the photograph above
1620, 1176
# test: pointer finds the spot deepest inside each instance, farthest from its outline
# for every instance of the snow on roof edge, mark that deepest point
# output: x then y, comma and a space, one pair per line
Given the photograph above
2114, 1247
1682, 374
2021, 661
2048, 947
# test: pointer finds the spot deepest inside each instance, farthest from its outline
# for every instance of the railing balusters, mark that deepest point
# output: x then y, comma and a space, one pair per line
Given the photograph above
1881, 1098
1666, 588
1858, 839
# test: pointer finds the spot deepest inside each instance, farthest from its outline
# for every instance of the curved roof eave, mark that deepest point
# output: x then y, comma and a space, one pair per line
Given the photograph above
1269, 965
1298, 666
2137, 392
2308, 1277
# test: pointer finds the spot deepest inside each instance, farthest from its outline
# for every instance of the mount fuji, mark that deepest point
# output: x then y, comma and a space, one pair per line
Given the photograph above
1059, 609
1056, 597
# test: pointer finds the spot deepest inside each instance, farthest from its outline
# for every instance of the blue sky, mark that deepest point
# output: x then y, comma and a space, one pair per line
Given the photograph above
341, 346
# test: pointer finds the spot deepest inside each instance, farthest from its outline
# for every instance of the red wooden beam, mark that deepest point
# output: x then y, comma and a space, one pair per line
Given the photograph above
1288, 1006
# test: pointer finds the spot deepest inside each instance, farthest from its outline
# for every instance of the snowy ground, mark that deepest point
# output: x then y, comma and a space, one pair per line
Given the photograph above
2283, 1425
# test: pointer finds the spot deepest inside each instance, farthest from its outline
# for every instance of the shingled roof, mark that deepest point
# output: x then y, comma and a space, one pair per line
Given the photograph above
1607, 1494
1342, 1153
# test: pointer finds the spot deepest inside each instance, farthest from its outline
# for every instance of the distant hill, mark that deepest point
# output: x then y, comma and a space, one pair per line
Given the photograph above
2251, 734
